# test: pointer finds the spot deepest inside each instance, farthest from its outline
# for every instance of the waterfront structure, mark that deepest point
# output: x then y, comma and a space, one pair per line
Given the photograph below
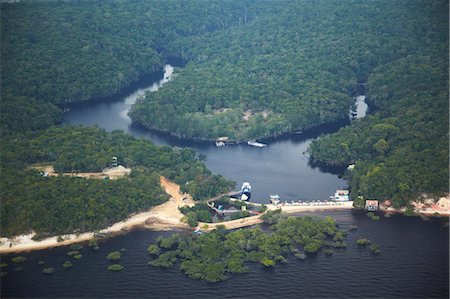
340, 195
371, 205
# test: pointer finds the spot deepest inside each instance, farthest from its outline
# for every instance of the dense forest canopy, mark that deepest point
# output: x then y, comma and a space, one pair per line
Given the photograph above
255, 69
293, 67
89, 204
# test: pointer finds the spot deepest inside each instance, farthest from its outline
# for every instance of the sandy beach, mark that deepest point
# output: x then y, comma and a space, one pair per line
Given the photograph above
163, 217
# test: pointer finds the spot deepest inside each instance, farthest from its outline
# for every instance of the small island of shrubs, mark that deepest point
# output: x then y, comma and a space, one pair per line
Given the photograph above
115, 267
215, 255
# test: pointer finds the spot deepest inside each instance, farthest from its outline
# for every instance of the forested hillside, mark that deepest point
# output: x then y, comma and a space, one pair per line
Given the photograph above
254, 69
69, 51
58, 205
293, 67
401, 151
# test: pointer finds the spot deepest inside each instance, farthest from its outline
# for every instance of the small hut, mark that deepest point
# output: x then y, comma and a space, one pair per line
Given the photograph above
371, 205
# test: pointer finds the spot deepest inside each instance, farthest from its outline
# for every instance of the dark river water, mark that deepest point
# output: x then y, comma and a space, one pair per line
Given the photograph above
415, 253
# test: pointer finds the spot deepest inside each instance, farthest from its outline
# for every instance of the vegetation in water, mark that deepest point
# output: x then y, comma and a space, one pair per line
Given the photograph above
49, 270
67, 264
114, 256
214, 255
93, 244
362, 242
115, 267
77, 256
73, 253
89, 204
18, 259
375, 248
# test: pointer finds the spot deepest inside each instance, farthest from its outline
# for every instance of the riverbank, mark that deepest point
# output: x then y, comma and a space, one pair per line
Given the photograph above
165, 216
162, 217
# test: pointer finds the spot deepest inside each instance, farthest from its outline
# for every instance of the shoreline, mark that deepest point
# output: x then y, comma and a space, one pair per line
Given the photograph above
165, 216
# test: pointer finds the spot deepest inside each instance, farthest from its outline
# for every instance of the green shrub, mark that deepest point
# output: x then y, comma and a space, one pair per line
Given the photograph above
18, 259
410, 212
73, 253
370, 214
77, 256
67, 265
328, 251
375, 248
114, 256
153, 250
267, 262
115, 267
49, 270
375, 218
362, 242
313, 246
300, 256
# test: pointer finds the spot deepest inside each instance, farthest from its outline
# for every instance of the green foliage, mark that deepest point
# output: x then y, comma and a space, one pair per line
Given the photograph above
212, 255
67, 264
49, 270
410, 211
77, 256
114, 256
153, 250
93, 244
239, 215
197, 213
18, 259
267, 262
375, 248
73, 253
273, 217
328, 252
412, 96
362, 242
300, 256
115, 267
375, 218
89, 204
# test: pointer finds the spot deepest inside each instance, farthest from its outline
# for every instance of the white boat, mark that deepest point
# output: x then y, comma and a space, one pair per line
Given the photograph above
220, 143
275, 199
340, 195
255, 143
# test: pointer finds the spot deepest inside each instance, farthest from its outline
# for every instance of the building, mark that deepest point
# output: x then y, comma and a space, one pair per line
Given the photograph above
371, 205
341, 195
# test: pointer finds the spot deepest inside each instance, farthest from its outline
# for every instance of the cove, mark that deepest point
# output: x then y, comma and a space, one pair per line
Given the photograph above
283, 167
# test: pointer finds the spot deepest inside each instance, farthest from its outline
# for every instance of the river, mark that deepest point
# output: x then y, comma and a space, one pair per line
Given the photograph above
413, 263
282, 167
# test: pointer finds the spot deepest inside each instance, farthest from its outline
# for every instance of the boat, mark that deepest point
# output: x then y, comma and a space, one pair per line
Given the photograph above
340, 195
256, 144
220, 143
275, 199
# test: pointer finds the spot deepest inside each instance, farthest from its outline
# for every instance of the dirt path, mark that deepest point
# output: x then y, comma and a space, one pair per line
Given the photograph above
111, 173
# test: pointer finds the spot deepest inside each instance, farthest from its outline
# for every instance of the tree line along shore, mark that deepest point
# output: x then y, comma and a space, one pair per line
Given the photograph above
254, 69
